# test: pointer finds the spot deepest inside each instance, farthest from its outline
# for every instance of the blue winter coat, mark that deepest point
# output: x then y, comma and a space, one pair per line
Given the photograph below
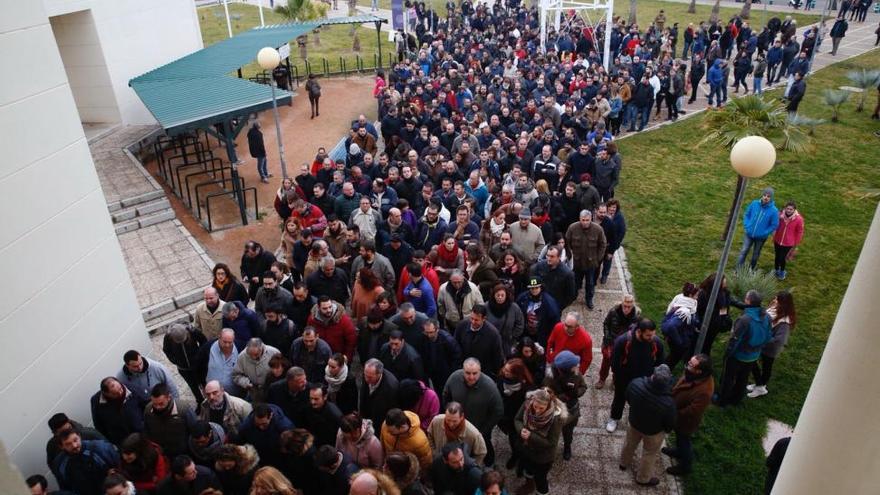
246, 325
760, 221
750, 332
774, 55
716, 73
425, 304
268, 441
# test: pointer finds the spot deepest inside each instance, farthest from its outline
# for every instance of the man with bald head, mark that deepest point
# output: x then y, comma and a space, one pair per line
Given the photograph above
223, 409
208, 317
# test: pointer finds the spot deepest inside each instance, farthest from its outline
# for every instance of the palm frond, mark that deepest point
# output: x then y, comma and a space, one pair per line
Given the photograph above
835, 97
753, 115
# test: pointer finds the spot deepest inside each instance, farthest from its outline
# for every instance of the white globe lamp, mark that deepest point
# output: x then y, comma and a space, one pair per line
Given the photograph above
753, 157
268, 58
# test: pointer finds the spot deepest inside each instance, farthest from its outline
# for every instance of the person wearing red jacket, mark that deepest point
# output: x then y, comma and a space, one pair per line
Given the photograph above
568, 335
334, 326
310, 216
427, 271
787, 237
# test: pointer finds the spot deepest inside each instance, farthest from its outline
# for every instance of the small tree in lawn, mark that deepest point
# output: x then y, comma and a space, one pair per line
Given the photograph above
692, 8
716, 11
747, 9
835, 99
864, 79
632, 12
302, 10
752, 115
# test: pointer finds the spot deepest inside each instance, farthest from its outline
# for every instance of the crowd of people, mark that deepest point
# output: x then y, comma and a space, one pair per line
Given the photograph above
418, 298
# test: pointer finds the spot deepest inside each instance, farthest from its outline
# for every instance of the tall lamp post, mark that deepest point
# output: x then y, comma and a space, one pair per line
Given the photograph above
751, 157
269, 58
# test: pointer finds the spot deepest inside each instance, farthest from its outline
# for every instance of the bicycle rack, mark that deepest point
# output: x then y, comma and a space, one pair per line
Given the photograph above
244, 191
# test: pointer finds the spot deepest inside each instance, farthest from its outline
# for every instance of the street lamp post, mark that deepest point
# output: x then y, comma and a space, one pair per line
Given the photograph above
751, 157
269, 58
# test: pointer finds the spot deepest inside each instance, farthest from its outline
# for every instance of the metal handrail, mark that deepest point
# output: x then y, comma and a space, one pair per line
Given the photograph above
223, 193
212, 170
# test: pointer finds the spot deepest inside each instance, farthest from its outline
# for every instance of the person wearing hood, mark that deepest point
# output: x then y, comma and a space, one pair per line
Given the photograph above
334, 326
506, 316
568, 384
680, 324
539, 422
760, 220
401, 432
235, 466
652, 415
252, 367
356, 437
716, 79
692, 395
751, 332
404, 470
788, 235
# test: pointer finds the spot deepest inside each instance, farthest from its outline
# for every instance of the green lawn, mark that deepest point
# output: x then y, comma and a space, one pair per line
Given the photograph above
648, 9
676, 198
336, 41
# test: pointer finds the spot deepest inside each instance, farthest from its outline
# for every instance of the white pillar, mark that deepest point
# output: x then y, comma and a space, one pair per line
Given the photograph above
228, 24
262, 21
835, 445
544, 5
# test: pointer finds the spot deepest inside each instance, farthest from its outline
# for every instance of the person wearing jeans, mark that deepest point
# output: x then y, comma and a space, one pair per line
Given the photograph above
758, 74
258, 150
715, 77
788, 235
759, 221
587, 243
751, 332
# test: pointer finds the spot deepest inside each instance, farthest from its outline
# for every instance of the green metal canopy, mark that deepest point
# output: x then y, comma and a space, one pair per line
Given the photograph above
199, 90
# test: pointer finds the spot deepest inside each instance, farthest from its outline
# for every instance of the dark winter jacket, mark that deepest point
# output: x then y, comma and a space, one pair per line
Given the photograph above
375, 405
205, 478
117, 420
313, 362
268, 441
335, 286
545, 315
632, 358
323, 423
407, 363
84, 473
255, 143
169, 428
483, 344
440, 358
559, 282
651, 408
293, 406
481, 403
185, 355
256, 266
246, 325
751, 332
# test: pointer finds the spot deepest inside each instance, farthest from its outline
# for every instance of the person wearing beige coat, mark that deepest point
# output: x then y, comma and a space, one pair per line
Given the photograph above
453, 427
207, 320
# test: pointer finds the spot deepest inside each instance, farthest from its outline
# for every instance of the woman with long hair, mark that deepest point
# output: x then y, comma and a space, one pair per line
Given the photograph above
357, 438
385, 303
511, 271
532, 355
235, 466
227, 285
719, 317
367, 289
278, 366
480, 269
142, 462
291, 233
446, 257
493, 227
783, 318
288, 188
539, 423
514, 381
270, 481
341, 384
506, 316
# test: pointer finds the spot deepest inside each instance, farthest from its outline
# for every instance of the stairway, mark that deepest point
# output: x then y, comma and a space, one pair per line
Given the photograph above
141, 211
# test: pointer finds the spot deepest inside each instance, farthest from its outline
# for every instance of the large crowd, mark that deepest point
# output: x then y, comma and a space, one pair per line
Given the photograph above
417, 300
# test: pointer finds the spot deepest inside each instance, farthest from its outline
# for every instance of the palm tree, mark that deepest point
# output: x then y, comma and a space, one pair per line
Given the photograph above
746, 10
302, 10
692, 8
716, 11
752, 115
864, 79
805, 122
835, 99
632, 12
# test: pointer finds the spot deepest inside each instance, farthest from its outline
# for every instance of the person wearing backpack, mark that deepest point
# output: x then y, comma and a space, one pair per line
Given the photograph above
751, 332
636, 353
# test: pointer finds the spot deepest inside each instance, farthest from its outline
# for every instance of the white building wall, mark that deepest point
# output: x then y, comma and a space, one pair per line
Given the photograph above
67, 306
136, 36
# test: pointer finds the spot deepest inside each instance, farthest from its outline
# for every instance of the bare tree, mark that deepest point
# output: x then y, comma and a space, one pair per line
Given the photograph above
746, 10
716, 10
632, 12
692, 8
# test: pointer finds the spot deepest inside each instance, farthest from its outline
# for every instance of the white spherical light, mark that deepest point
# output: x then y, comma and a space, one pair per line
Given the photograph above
268, 58
753, 156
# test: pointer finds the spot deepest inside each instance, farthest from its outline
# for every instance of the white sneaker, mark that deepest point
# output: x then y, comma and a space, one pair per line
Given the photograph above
611, 425
758, 392
750, 387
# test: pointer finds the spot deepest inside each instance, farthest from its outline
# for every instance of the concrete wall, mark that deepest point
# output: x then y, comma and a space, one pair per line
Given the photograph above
135, 36
67, 307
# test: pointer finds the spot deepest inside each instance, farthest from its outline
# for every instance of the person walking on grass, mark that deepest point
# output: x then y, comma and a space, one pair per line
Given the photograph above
751, 332
692, 395
759, 221
652, 415
313, 88
782, 319
258, 151
788, 235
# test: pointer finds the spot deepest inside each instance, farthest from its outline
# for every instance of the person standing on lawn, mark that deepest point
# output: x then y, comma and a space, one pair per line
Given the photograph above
692, 395
759, 221
751, 332
782, 318
788, 235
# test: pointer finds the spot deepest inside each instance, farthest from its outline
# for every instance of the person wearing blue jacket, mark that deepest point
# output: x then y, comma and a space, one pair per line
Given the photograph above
82, 465
419, 291
751, 332
263, 429
774, 58
715, 77
800, 65
243, 320
759, 222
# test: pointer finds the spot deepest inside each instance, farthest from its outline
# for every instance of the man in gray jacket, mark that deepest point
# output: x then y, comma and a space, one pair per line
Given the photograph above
251, 369
480, 400
371, 259
140, 374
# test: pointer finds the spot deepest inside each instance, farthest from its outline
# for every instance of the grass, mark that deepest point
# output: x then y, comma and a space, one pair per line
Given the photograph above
676, 198
336, 41
648, 9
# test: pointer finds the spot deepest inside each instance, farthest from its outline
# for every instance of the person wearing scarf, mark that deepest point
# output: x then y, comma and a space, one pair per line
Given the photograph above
446, 257
514, 381
341, 385
453, 427
539, 423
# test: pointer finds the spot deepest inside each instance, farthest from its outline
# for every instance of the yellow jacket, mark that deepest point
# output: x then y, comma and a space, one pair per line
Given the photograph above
414, 441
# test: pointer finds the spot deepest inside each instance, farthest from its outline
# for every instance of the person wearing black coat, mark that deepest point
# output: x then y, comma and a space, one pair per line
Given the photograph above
652, 414
796, 93
401, 358
333, 284
323, 417
635, 355
258, 150
301, 307
116, 413
254, 263
558, 279
441, 354
177, 483
455, 473
181, 346
378, 392
334, 471
698, 70
480, 339
291, 395
643, 99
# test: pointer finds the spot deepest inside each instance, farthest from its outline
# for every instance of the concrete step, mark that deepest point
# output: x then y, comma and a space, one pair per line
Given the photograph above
136, 200
159, 325
145, 221
141, 210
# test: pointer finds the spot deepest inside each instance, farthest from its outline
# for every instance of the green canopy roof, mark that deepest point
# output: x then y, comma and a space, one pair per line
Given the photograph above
198, 90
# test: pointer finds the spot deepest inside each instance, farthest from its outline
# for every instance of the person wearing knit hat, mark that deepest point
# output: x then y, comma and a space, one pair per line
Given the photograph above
566, 360
652, 415
759, 222
568, 383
